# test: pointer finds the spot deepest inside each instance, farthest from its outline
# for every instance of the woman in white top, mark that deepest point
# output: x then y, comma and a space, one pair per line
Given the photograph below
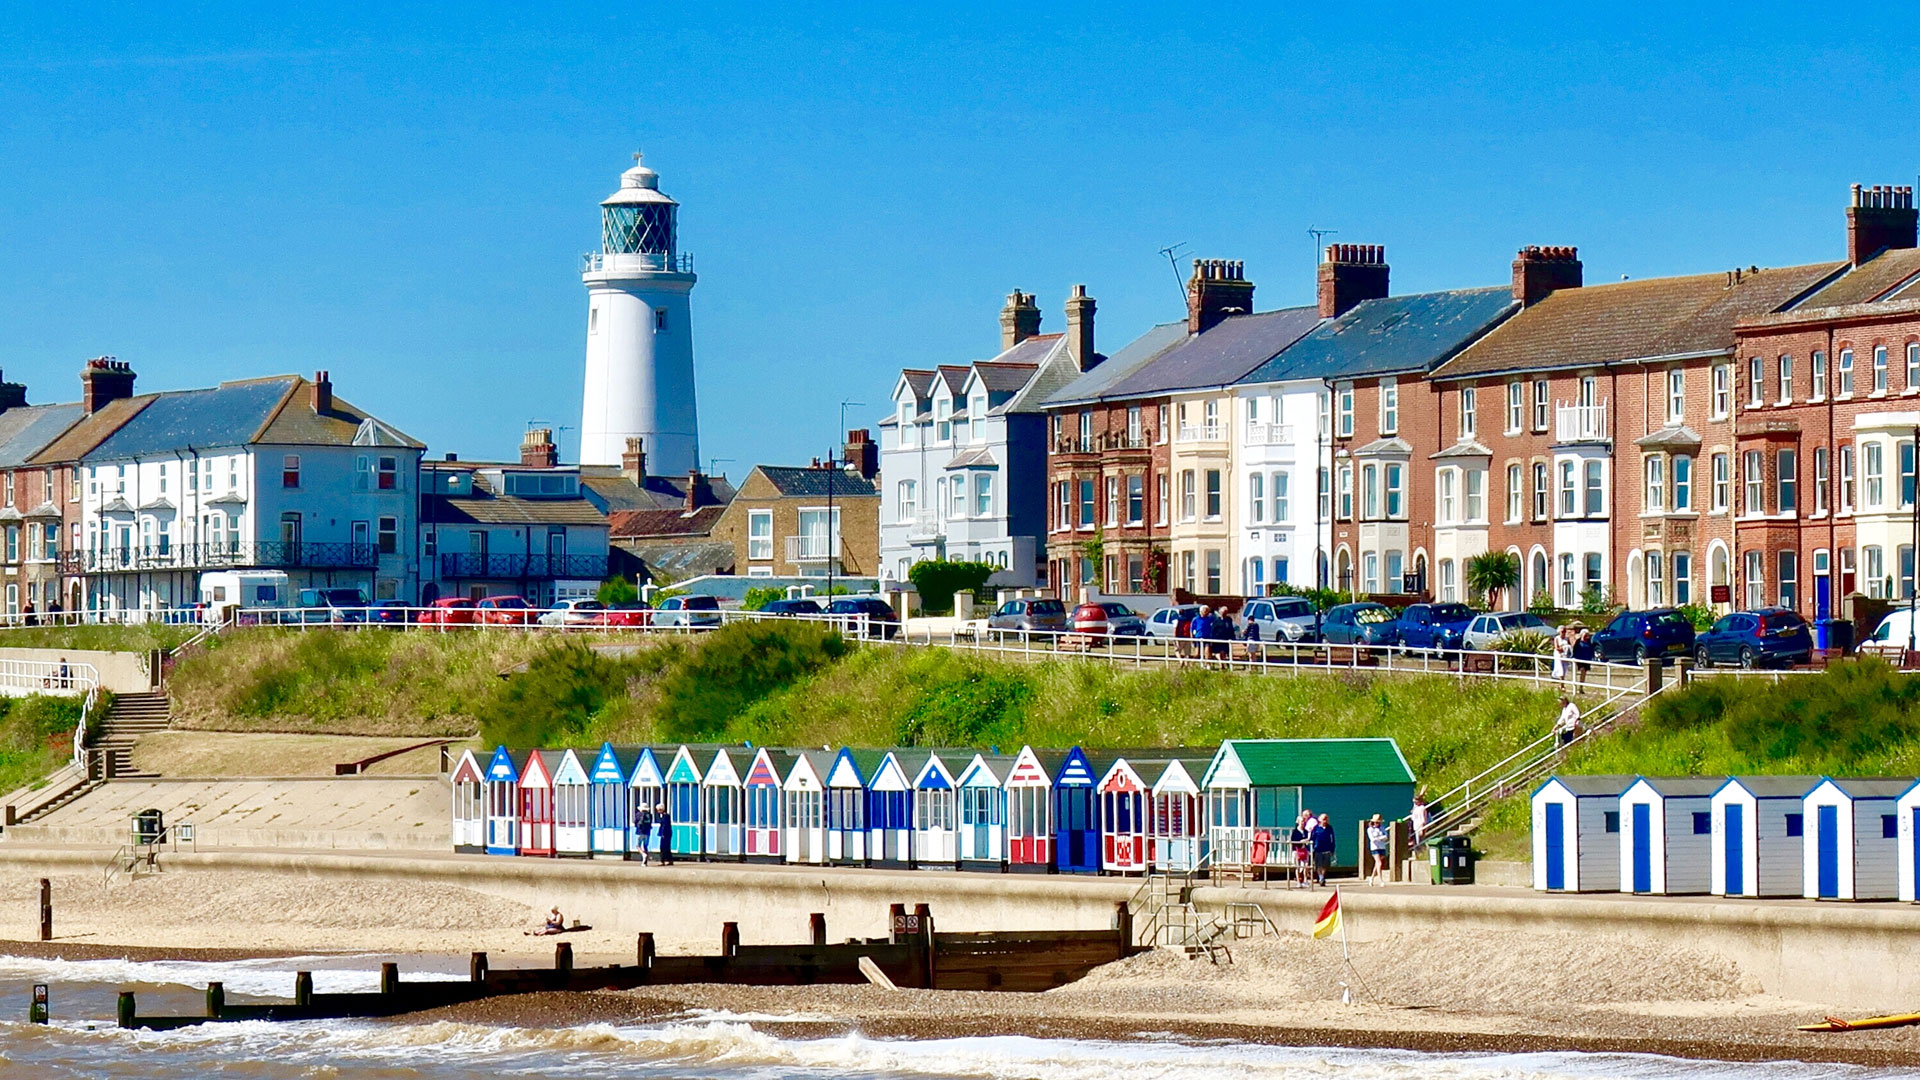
1562, 653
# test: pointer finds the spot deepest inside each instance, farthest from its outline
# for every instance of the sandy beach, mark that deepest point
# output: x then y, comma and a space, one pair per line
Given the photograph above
1471, 990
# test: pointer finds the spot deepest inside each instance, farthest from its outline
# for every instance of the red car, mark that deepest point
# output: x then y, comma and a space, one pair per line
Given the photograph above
505, 611
624, 613
447, 611
1106, 620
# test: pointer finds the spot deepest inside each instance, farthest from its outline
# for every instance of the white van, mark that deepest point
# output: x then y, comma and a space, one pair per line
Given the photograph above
1890, 638
223, 592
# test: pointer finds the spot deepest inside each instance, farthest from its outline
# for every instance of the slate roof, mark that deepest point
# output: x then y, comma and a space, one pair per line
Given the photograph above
999, 378
1318, 762
1093, 385
976, 457
1868, 788
1878, 278
612, 492
794, 482
658, 523
1391, 335
1685, 787
27, 429
1221, 356
1776, 787
485, 507
921, 382
680, 559
955, 376
1630, 320
1591, 785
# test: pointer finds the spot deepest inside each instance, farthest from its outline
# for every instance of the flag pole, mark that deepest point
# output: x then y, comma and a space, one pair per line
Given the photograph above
1344, 954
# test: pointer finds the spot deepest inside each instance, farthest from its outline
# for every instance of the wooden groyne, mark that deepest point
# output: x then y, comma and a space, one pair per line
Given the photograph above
914, 955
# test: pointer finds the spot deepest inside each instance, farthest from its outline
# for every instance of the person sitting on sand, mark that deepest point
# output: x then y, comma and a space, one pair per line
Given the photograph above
555, 922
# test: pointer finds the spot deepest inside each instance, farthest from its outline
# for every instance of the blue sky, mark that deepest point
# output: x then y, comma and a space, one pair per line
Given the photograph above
401, 195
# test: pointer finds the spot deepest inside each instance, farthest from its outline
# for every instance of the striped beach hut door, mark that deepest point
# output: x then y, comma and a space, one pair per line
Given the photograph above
1735, 853
1556, 846
1642, 847
1827, 835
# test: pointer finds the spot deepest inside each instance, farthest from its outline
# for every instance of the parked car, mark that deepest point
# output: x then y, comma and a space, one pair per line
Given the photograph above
624, 613
1643, 635
331, 605
448, 611
1364, 623
1485, 630
881, 621
1108, 619
389, 612
1281, 618
1892, 636
578, 611
687, 612
1165, 623
1435, 626
504, 611
1036, 615
801, 606
1756, 639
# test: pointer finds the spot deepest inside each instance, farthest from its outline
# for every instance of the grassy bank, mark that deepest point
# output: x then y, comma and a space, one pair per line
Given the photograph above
36, 737
142, 637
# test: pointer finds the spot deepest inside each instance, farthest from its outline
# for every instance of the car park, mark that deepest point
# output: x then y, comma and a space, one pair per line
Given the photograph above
504, 611
1485, 631
448, 611
576, 611
1107, 619
1435, 626
1639, 636
880, 619
1031, 615
1761, 638
1281, 618
689, 612
1166, 622
1365, 623
800, 606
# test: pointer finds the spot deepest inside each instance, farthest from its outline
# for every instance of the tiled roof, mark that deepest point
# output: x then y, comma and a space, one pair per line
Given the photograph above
1221, 356
1391, 335
1592, 785
1000, 377
1628, 320
801, 482
674, 522
1092, 385
920, 381
1031, 351
26, 430
955, 376
611, 491
681, 559
1876, 279
484, 507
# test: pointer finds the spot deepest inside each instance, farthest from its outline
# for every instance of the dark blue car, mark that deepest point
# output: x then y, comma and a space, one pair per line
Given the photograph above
1434, 626
1756, 639
1640, 636
1359, 624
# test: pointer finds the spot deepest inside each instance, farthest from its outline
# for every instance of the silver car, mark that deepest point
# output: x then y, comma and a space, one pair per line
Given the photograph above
1281, 618
1167, 620
1484, 630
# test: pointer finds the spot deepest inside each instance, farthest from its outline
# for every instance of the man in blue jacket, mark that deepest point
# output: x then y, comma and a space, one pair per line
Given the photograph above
1322, 840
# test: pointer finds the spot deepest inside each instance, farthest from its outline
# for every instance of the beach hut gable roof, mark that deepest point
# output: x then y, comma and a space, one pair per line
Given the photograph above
537, 772
934, 774
1771, 787
1316, 762
852, 770
720, 772
606, 767
1121, 777
1075, 771
1176, 777
890, 775
646, 770
569, 770
1585, 787
1678, 787
1226, 769
683, 770
1862, 788
1028, 770
764, 770
983, 771
502, 767
806, 769
467, 771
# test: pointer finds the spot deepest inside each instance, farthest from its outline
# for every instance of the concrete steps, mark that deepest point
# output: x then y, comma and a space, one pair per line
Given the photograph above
132, 716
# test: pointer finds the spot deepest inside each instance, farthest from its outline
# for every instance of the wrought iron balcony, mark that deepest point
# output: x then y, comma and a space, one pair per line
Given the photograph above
501, 567
234, 554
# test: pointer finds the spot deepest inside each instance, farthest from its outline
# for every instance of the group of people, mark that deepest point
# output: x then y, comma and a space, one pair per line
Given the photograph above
1312, 842
1573, 652
1208, 633
650, 821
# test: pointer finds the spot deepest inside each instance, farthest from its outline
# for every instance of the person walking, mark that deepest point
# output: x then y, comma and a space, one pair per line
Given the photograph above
1567, 725
1377, 848
1417, 817
663, 818
1562, 653
1582, 656
643, 829
1220, 636
1322, 848
1300, 847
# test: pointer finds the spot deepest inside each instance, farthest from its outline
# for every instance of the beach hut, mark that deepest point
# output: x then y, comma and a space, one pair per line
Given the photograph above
804, 806
1174, 835
1576, 833
646, 790
982, 796
536, 802
762, 793
1852, 846
684, 802
1907, 809
503, 802
1666, 837
1076, 817
469, 806
1759, 827
891, 797
935, 843
720, 807
847, 804
1123, 818
1262, 785
572, 804
607, 810
1029, 788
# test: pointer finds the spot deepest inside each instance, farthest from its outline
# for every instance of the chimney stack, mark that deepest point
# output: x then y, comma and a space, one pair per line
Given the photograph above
322, 393
537, 449
1019, 320
1879, 218
13, 395
633, 461
696, 488
1217, 289
1080, 329
1351, 273
103, 381
1540, 271
862, 453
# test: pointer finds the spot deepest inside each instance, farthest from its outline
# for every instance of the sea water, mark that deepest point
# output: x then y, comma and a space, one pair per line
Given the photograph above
83, 1042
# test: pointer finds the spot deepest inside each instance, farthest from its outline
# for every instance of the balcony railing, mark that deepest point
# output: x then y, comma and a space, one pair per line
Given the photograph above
1094, 444
925, 525
597, 262
1580, 423
1200, 433
238, 554
813, 548
1259, 434
515, 567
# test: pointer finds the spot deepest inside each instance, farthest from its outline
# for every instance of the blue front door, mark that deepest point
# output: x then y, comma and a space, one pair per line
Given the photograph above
1642, 848
1556, 846
1827, 835
1735, 850
1822, 597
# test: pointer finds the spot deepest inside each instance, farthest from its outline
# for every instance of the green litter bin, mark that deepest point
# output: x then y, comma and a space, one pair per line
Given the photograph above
1453, 861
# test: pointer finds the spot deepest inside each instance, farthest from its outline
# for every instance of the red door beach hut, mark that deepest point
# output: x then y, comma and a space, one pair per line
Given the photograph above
572, 805
1348, 780
1175, 840
503, 802
536, 802
684, 799
1076, 817
1030, 810
804, 806
720, 807
1666, 834
646, 790
890, 806
982, 797
762, 795
607, 813
469, 806
1759, 834
1123, 819
1853, 840
1576, 833
935, 843
847, 803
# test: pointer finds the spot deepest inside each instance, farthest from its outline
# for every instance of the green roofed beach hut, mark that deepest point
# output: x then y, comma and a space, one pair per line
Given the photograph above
1258, 786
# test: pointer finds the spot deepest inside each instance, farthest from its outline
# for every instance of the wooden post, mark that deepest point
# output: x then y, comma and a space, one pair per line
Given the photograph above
216, 999
127, 1009
730, 939
563, 960
389, 978
924, 914
645, 949
896, 920
10, 815
1123, 926
817, 923
477, 968
303, 988
46, 910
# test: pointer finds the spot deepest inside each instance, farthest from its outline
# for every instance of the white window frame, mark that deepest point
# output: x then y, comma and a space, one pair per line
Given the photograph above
759, 546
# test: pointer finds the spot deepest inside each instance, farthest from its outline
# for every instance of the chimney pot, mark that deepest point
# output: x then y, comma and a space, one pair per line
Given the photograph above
537, 449
1351, 273
103, 381
322, 393
1080, 311
1880, 218
1019, 320
1539, 271
633, 461
1218, 289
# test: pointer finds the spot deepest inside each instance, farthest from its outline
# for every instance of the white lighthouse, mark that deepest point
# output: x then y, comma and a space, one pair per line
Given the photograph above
639, 333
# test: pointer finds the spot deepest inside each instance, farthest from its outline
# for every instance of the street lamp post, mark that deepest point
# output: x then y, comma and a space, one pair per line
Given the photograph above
833, 530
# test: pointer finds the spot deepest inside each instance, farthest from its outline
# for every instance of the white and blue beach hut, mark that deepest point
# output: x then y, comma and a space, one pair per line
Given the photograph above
1907, 807
1666, 834
607, 816
646, 790
469, 805
720, 809
982, 797
890, 805
1759, 827
1576, 833
847, 804
804, 815
1852, 849
935, 817
1176, 840
572, 805
502, 781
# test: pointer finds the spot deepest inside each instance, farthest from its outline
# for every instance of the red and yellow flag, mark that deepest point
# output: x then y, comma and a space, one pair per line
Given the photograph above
1328, 923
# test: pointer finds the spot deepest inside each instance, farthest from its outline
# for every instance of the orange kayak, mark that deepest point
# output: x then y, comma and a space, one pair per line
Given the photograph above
1834, 1023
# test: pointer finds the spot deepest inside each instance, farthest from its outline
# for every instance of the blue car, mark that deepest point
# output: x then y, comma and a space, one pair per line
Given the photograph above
1639, 636
1435, 626
1359, 624
1756, 639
